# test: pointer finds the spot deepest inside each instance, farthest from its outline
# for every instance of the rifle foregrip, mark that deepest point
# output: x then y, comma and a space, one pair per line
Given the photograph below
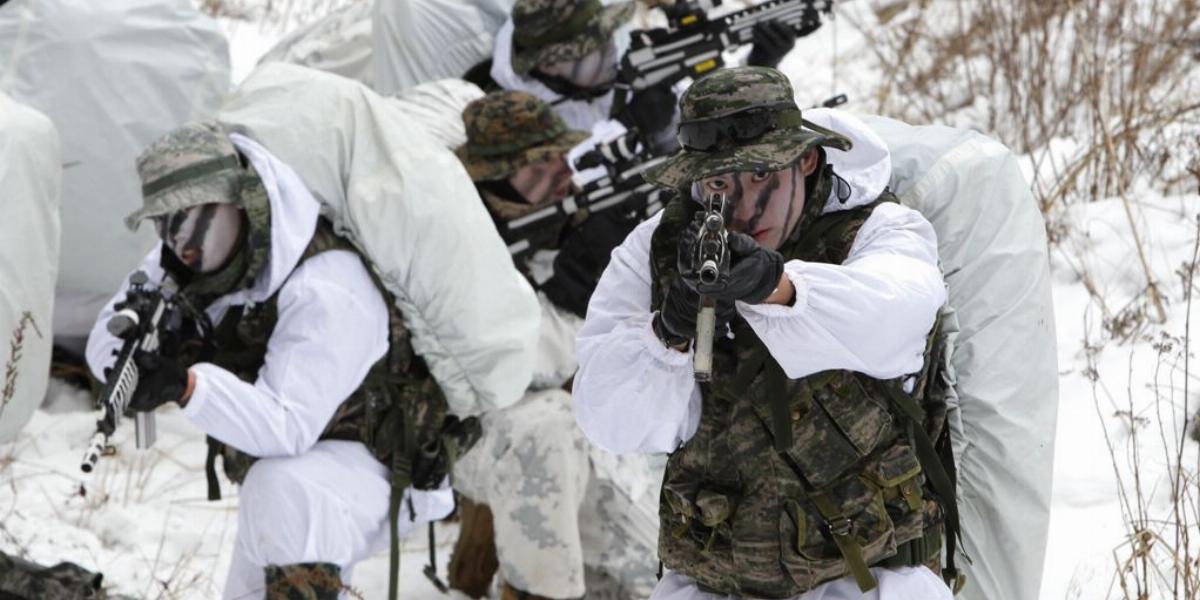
706, 324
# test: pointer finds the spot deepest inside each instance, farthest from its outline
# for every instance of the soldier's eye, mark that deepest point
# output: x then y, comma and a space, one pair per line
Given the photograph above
760, 176
716, 185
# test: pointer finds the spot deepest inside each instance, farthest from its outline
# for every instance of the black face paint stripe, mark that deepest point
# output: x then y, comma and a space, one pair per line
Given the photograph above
204, 220
761, 202
174, 222
792, 201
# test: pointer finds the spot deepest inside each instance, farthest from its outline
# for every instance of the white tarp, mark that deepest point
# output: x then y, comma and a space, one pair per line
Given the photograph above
405, 199
338, 43
993, 249
424, 40
30, 173
438, 107
112, 76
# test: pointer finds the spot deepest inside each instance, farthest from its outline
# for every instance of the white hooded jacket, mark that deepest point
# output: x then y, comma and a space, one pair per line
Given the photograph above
870, 314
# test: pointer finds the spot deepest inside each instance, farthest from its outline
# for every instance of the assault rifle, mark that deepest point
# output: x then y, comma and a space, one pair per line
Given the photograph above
712, 254
692, 44
139, 320
622, 187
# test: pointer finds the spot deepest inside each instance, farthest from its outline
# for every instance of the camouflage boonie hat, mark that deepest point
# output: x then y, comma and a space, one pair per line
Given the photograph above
728, 107
552, 31
192, 165
508, 130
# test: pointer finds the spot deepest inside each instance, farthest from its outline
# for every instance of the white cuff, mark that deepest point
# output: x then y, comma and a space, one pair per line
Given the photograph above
200, 393
659, 351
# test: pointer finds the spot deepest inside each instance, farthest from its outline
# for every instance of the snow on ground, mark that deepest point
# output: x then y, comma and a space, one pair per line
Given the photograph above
143, 517
1137, 385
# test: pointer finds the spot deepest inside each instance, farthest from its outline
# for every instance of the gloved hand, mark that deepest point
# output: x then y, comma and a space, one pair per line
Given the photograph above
753, 274
772, 41
651, 110
161, 380
676, 319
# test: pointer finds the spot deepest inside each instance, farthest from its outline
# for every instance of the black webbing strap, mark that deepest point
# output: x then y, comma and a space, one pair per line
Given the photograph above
208, 167
431, 568
943, 482
210, 468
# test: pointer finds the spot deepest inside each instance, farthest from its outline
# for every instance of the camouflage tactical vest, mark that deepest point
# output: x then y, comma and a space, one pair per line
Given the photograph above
789, 483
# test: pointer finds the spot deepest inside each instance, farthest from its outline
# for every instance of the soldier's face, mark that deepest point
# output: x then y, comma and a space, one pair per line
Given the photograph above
765, 205
596, 70
203, 237
543, 182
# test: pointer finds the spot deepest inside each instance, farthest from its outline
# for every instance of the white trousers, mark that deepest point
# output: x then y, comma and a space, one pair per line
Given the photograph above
329, 505
908, 583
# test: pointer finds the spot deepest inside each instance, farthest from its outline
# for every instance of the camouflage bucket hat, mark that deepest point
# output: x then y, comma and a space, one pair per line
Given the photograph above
552, 31
508, 130
740, 119
192, 165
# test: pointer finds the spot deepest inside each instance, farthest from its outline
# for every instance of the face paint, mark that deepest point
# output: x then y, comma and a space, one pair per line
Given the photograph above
543, 182
596, 70
203, 237
765, 205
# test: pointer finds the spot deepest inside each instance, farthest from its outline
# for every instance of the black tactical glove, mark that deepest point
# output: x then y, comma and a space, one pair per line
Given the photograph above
161, 380
651, 110
582, 258
772, 41
753, 274
676, 319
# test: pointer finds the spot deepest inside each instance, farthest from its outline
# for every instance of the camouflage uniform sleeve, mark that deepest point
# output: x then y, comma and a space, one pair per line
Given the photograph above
869, 314
632, 394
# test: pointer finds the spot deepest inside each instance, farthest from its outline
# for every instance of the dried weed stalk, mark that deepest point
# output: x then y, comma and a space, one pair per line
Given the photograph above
16, 346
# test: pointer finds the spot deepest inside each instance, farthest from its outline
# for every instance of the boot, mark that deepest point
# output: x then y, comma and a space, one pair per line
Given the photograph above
304, 581
473, 563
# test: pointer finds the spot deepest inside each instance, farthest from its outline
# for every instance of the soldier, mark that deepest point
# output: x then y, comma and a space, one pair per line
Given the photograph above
793, 473
304, 380
566, 53
569, 518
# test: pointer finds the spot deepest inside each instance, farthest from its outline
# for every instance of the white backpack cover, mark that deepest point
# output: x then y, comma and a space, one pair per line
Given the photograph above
416, 41
406, 201
994, 254
112, 76
30, 172
338, 43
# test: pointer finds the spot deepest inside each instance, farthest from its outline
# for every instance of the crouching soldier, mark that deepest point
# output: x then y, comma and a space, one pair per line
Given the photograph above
569, 519
291, 358
794, 470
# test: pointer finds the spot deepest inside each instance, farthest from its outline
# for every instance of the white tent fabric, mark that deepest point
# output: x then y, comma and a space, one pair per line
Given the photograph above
30, 173
406, 201
424, 40
993, 249
338, 43
112, 76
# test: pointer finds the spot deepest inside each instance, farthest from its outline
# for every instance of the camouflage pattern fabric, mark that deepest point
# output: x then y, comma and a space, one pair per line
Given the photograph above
553, 31
509, 129
192, 165
21, 580
560, 530
786, 479
304, 581
726, 93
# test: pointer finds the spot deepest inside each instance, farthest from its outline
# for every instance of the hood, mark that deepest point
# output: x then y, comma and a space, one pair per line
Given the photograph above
294, 214
578, 114
866, 168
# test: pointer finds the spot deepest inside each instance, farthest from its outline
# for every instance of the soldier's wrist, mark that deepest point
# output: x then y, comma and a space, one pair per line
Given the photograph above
664, 335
